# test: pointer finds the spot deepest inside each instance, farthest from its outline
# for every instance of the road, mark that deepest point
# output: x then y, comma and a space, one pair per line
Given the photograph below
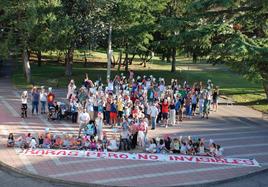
11, 179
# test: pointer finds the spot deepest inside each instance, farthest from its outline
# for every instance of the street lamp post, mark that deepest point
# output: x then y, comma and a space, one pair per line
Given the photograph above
109, 53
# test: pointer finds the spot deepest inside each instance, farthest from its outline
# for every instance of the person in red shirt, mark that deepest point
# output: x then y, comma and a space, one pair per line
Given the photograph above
165, 106
50, 98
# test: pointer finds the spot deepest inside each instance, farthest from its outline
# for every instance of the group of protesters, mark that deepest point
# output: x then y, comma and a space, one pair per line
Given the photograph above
130, 104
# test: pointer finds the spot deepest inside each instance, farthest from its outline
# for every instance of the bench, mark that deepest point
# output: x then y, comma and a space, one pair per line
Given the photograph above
229, 101
265, 115
53, 82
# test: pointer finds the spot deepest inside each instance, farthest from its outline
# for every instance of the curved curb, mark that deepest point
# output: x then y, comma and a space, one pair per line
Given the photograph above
73, 183
46, 179
216, 182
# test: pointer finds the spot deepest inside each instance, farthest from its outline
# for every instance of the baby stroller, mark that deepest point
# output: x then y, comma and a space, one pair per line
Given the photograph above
62, 113
52, 113
24, 111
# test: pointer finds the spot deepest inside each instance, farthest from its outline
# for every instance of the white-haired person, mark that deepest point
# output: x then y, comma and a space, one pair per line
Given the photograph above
24, 106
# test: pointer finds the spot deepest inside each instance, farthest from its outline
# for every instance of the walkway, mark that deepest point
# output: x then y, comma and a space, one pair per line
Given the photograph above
240, 130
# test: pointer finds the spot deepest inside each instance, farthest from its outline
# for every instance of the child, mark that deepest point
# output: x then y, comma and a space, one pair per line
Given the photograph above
175, 148
160, 148
104, 142
219, 151
40, 141
99, 145
66, 143
152, 147
33, 143
10, 140
212, 149
86, 145
47, 142
112, 144
201, 149
93, 145
58, 143
183, 148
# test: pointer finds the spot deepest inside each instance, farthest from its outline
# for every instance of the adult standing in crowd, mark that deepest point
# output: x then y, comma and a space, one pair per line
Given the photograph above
153, 111
71, 90
50, 98
43, 100
24, 100
83, 120
215, 96
35, 100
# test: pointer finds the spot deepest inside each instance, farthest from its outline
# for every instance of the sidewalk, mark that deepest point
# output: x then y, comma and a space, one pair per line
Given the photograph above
240, 130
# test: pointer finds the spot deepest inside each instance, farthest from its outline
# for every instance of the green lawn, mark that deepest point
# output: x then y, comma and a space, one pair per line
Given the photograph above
231, 84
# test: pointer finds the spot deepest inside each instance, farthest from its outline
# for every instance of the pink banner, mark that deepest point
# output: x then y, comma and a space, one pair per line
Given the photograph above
141, 156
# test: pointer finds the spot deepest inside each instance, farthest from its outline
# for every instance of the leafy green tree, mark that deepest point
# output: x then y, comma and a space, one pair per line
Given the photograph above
17, 21
238, 32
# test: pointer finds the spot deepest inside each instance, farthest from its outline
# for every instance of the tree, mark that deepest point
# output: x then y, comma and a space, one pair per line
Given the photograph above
171, 24
17, 22
239, 31
134, 24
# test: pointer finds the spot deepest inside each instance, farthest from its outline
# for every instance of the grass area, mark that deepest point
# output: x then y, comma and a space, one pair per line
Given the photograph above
231, 84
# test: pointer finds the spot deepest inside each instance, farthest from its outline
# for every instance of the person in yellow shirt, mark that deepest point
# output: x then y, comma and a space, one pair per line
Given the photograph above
120, 109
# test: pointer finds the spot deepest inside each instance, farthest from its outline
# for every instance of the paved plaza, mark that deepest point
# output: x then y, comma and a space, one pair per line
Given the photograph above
241, 131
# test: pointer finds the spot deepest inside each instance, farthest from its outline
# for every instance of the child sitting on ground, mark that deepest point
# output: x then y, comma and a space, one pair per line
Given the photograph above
33, 143
10, 140
113, 144
47, 142
93, 145
104, 142
152, 146
175, 146
40, 141
58, 143
183, 148
86, 145
66, 142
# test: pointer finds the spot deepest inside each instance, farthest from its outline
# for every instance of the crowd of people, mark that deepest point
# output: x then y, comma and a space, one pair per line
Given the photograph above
131, 104
181, 145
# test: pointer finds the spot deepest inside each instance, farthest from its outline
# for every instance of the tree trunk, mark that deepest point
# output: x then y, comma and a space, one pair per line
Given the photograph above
173, 65
69, 63
265, 86
132, 58
26, 65
126, 59
120, 60
85, 59
168, 55
39, 58
194, 57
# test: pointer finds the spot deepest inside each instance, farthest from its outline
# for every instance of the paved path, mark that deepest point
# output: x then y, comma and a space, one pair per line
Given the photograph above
240, 130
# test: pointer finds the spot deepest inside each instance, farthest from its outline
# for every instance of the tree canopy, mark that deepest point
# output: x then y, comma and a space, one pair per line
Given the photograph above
222, 31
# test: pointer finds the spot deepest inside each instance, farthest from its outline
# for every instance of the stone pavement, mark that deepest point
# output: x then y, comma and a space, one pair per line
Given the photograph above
240, 130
